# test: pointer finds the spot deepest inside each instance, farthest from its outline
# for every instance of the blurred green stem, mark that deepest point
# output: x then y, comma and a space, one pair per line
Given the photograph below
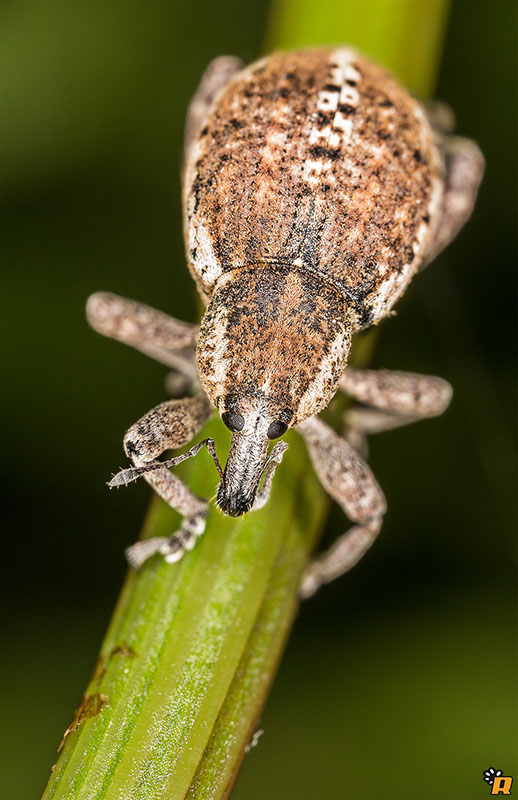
192, 648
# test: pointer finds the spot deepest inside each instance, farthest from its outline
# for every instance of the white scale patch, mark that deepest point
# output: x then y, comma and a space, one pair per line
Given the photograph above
217, 341
309, 403
327, 101
340, 132
206, 262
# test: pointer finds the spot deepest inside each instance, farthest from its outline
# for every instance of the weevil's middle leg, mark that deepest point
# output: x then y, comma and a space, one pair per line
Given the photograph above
349, 481
169, 426
464, 168
154, 333
390, 399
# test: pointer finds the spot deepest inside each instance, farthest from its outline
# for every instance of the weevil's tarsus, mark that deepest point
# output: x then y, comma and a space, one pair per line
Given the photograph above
170, 547
340, 558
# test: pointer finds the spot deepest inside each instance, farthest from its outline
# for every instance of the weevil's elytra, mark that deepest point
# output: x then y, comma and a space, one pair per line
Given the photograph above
320, 161
314, 189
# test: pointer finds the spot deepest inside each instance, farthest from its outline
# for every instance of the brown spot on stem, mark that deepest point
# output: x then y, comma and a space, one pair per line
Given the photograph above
99, 670
91, 705
123, 649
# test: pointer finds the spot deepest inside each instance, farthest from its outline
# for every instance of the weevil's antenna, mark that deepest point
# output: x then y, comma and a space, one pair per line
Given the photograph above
131, 474
270, 465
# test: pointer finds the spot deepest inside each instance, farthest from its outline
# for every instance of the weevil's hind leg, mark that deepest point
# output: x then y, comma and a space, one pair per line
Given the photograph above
181, 382
362, 421
440, 116
349, 481
168, 426
464, 165
390, 400
154, 333
215, 77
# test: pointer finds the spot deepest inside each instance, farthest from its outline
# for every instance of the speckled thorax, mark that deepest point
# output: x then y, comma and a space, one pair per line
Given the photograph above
275, 332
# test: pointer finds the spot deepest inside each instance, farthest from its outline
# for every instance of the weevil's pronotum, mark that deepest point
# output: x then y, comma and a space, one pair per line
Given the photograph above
314, 189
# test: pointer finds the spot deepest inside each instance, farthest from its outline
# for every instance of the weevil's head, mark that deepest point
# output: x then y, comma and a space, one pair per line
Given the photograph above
271, 348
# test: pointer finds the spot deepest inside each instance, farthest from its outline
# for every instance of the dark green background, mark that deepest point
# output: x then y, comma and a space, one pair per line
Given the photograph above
399, 680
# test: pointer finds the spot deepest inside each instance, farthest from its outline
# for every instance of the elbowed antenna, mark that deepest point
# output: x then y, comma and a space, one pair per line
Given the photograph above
131, 474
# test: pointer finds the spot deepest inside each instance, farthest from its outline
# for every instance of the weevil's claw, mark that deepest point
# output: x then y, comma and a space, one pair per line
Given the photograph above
124, 477
144, 549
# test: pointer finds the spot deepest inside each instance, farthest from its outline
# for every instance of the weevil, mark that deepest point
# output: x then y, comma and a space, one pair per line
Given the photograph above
314, 189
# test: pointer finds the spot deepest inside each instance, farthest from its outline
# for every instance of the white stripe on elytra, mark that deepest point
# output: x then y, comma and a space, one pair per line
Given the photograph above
339, 133
206, 262
217, 344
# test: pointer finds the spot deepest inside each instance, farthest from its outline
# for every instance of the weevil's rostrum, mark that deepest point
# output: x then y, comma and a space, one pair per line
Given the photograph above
314, 188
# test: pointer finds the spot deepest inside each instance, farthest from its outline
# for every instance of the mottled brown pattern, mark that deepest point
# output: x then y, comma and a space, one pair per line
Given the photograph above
168, 425
274, 337
345, 192
314, 189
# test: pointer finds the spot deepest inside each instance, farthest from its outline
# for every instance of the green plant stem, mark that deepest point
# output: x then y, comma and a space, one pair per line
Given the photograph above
192, 648
188, 636
404, 35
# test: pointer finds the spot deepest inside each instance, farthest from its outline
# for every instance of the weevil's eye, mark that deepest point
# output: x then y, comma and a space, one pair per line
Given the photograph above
233, 420
276, 429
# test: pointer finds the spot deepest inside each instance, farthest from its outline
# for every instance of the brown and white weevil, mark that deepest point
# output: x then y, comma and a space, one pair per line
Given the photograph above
314, 189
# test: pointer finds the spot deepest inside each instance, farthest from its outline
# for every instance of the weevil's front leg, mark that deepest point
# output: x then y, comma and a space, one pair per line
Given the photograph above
169, 426
152, 332
391, 399
440, 116
215, 77
272, 463
349, 481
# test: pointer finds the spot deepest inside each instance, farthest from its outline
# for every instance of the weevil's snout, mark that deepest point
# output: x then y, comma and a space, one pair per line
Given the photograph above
252, 433
234, 503
242, 473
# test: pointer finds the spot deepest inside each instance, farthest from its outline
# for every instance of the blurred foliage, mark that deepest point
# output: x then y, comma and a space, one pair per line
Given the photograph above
403, 34
399, 679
